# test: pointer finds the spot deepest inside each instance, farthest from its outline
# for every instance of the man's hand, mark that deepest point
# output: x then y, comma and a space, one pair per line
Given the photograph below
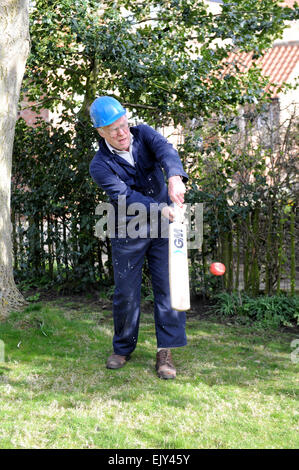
168, 212
176, 190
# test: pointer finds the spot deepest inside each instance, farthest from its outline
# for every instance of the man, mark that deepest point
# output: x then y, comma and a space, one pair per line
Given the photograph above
130, 164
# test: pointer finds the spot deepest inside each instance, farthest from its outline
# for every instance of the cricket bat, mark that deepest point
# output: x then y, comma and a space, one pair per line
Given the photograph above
178, 262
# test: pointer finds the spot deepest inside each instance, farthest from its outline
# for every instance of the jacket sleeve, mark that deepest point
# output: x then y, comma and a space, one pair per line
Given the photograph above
165, 153
114, 186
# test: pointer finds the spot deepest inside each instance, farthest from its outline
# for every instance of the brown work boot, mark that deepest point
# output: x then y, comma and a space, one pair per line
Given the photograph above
164, 365
116, 362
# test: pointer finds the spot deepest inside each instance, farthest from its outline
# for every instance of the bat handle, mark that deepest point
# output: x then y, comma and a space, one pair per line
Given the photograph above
179, 213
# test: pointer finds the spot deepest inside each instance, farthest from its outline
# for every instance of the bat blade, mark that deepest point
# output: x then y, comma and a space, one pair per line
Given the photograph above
178, 267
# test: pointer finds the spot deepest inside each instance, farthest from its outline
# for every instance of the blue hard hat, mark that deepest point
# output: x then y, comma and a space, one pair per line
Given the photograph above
105, 110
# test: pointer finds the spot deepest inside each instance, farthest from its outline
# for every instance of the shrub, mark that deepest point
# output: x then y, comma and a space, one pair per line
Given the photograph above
269, 311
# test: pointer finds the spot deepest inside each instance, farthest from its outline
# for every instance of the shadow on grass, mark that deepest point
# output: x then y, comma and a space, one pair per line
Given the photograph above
71, 360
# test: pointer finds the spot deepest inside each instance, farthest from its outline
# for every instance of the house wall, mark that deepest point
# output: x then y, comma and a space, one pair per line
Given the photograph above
30, 116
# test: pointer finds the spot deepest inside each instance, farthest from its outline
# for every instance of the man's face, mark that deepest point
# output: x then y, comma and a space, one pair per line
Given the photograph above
117, 134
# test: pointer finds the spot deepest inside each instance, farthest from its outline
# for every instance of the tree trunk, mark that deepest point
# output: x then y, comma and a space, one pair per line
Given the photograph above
14, 49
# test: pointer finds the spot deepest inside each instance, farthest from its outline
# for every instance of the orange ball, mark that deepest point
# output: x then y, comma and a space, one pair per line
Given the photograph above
218, 269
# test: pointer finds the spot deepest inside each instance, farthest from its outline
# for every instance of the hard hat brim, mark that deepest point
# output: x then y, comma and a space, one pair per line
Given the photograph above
112, 120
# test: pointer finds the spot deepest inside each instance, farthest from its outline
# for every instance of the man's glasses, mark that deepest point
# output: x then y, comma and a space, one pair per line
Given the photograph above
114, 132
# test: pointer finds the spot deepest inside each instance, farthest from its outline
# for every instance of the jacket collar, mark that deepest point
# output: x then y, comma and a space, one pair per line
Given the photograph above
118, 165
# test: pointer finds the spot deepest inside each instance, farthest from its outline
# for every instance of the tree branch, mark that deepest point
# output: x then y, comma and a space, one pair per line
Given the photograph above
143, 106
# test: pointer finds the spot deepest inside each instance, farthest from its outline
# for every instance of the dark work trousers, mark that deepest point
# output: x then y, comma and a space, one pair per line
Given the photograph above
128, 256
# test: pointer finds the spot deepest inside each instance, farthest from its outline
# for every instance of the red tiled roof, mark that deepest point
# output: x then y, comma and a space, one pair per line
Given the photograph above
277, 63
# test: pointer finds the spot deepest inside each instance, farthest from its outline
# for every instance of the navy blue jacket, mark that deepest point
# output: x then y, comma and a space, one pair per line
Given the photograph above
144, 183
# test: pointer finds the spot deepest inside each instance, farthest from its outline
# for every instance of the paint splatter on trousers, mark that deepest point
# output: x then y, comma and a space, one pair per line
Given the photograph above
128, 257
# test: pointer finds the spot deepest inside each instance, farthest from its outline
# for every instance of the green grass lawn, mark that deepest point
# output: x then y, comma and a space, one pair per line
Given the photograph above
236, 386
